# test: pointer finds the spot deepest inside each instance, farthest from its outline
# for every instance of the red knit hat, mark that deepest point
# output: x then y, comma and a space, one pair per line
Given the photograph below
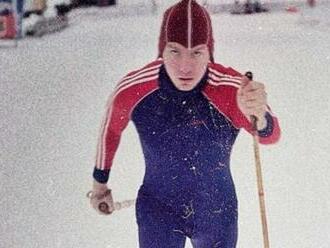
188, 24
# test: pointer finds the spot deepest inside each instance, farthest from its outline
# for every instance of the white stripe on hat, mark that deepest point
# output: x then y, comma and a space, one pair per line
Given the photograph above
189, 33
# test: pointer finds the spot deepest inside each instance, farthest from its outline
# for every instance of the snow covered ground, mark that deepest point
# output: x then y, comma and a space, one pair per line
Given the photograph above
53, 92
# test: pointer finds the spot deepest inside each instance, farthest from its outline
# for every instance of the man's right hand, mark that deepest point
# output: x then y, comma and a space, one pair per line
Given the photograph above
101, 199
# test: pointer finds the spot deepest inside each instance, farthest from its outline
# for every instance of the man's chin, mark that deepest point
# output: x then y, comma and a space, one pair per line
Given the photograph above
186, 87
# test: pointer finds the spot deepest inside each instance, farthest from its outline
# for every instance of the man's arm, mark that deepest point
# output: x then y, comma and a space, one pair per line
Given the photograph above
225, 90
251, 98
115, 121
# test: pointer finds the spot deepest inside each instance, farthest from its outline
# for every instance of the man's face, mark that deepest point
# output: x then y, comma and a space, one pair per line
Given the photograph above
186, 67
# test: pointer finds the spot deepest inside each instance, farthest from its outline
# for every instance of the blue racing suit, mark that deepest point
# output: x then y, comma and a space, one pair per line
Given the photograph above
187, 138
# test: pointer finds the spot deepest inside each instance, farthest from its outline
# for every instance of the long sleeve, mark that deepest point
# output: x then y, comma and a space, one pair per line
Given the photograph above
222, 91
129, 92
115, 121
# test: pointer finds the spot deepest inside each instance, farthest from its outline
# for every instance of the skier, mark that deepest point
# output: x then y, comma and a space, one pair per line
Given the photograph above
188, 111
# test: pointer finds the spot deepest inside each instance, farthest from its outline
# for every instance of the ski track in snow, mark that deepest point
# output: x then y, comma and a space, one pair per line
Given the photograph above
53, 93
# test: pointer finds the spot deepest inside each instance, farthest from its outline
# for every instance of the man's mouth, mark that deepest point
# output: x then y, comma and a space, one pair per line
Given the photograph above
185, 79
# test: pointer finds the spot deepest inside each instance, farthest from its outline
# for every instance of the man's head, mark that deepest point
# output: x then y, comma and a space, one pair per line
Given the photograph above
186, 43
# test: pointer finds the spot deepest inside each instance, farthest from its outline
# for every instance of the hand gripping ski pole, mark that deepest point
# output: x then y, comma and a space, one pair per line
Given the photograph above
104, 207
261, 194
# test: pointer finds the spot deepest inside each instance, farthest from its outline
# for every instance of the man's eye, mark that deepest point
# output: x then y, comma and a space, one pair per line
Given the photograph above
173, 51
197, 53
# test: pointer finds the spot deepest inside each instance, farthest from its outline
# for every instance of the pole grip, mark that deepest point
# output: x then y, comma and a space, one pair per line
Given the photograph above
249, 75
253, 118
104, 207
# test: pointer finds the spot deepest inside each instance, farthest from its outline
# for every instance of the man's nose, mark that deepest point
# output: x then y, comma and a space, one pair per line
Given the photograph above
186, 65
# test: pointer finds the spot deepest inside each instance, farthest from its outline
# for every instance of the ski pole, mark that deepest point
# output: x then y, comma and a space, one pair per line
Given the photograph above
104, 207
261, 193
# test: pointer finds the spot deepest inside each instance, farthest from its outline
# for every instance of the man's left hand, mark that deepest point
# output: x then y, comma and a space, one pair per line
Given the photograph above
252, 100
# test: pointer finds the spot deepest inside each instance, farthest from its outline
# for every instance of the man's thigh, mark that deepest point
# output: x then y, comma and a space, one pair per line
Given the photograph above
159, 226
